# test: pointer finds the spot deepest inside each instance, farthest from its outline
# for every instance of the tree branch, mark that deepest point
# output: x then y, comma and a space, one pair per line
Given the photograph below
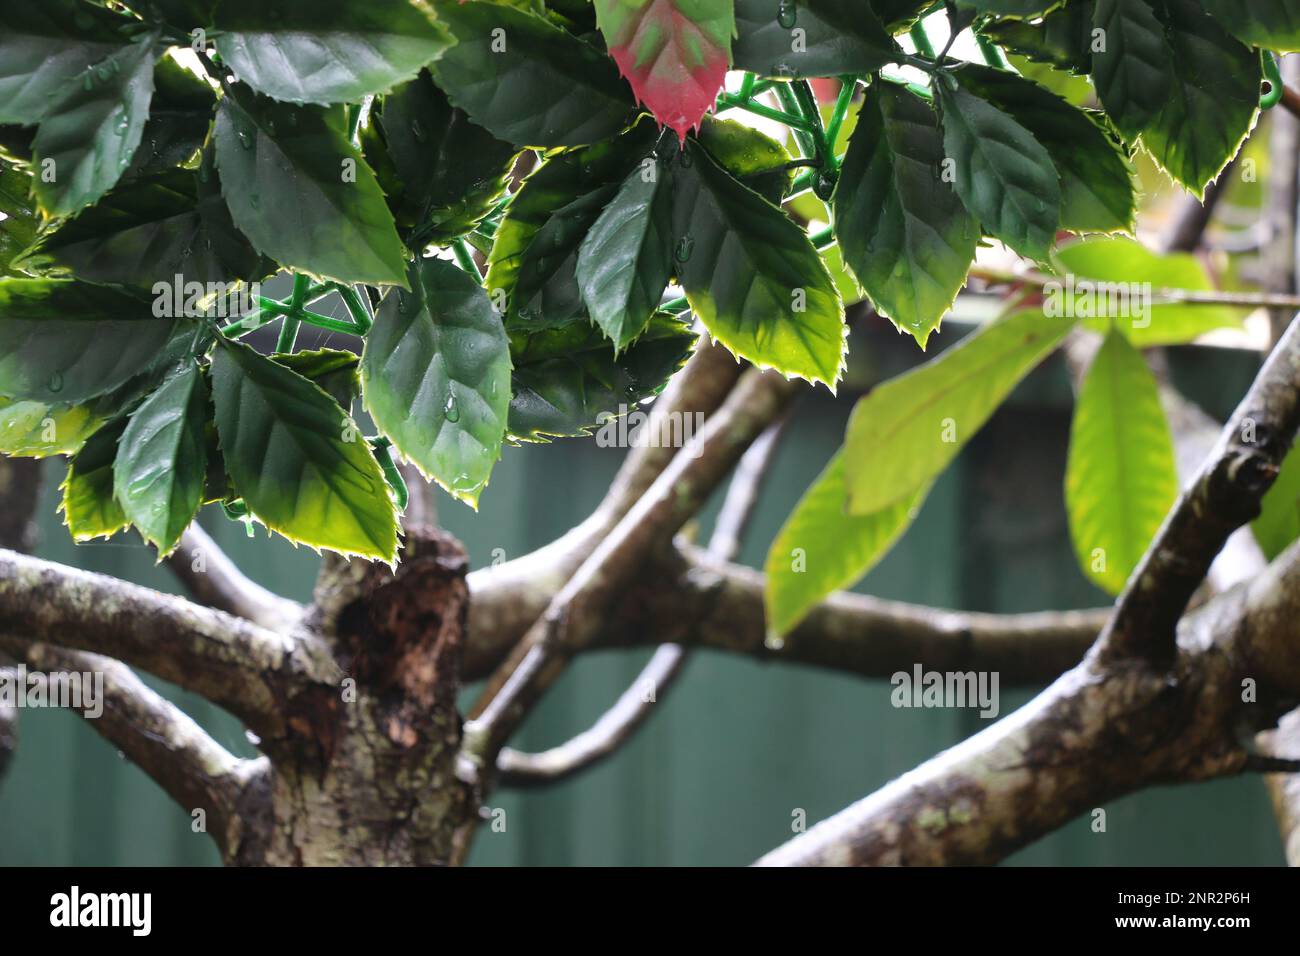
575, 612
163, 741
1100, 731
247, 669
633, 708
215, 580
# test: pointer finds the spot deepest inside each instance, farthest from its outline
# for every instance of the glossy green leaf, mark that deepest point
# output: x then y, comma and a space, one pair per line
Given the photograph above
1115, 281
20, 218
1002, 173
38, 429
836, 37
1062, 39
1271, 24
1120, 479
753, 157
93, 127
568, 382
533, 261
821, 549
231, 246
297, 459
528, 81
336, 372
436, 377
326, 51
448, 172
1098, 193
903, 231
303, 194
45, 46
67, 342
674, 53
89, 508
906, 431
1278, 524
138, 234
752, 276
1213, 101
162, 461
179, 116
625, 261
1134, 73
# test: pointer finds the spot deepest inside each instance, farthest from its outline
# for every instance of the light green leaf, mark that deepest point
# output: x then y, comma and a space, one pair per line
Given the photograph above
528, 81
821, 549
752, 276
89, 508
435, 377
92, 128
906, 431
904, 233
837, 36
326, 51
1213, 103
1134, 73
302, 193
53, 335
568, 381
297, 459
625, 261
1003, 174
1271, 24
20, 222
38, 429
1278, 524
162, 461
1114, 281
1120, 479
1098, 193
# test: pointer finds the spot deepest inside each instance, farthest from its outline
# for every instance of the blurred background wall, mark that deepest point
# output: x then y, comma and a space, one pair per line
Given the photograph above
737, 748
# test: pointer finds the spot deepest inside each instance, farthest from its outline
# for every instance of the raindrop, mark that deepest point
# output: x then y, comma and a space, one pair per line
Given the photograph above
245, 140
685, 246
450, 411
88, 81
56, 382
787, 14
825, 185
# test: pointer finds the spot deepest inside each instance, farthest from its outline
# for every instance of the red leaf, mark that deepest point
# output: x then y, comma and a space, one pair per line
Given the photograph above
675, 53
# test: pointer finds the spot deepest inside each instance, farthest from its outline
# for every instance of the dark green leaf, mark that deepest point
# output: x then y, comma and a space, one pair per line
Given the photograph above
179, 116
625, 261
89, 508
448, 172
67, 342
232, 247
333, 370
45, 46
1212, 104
1120, 479
18, 227
1097, 188
528, 81
752, 276
1271, 24
834, 37
297, 459
904, 233
93, 127
325, 51
303, 194
436, 377
1133, 71
1015, 8
820, 549
568, 381
906, 431
162, 460
1003, 174
1063, 38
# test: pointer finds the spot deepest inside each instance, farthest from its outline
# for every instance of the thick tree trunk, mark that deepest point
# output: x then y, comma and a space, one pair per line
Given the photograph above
367, 773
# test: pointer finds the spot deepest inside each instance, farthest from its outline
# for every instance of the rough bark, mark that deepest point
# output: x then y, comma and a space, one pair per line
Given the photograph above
20, 485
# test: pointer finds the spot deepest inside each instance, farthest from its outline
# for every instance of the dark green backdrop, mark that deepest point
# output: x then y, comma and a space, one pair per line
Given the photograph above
737, 747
